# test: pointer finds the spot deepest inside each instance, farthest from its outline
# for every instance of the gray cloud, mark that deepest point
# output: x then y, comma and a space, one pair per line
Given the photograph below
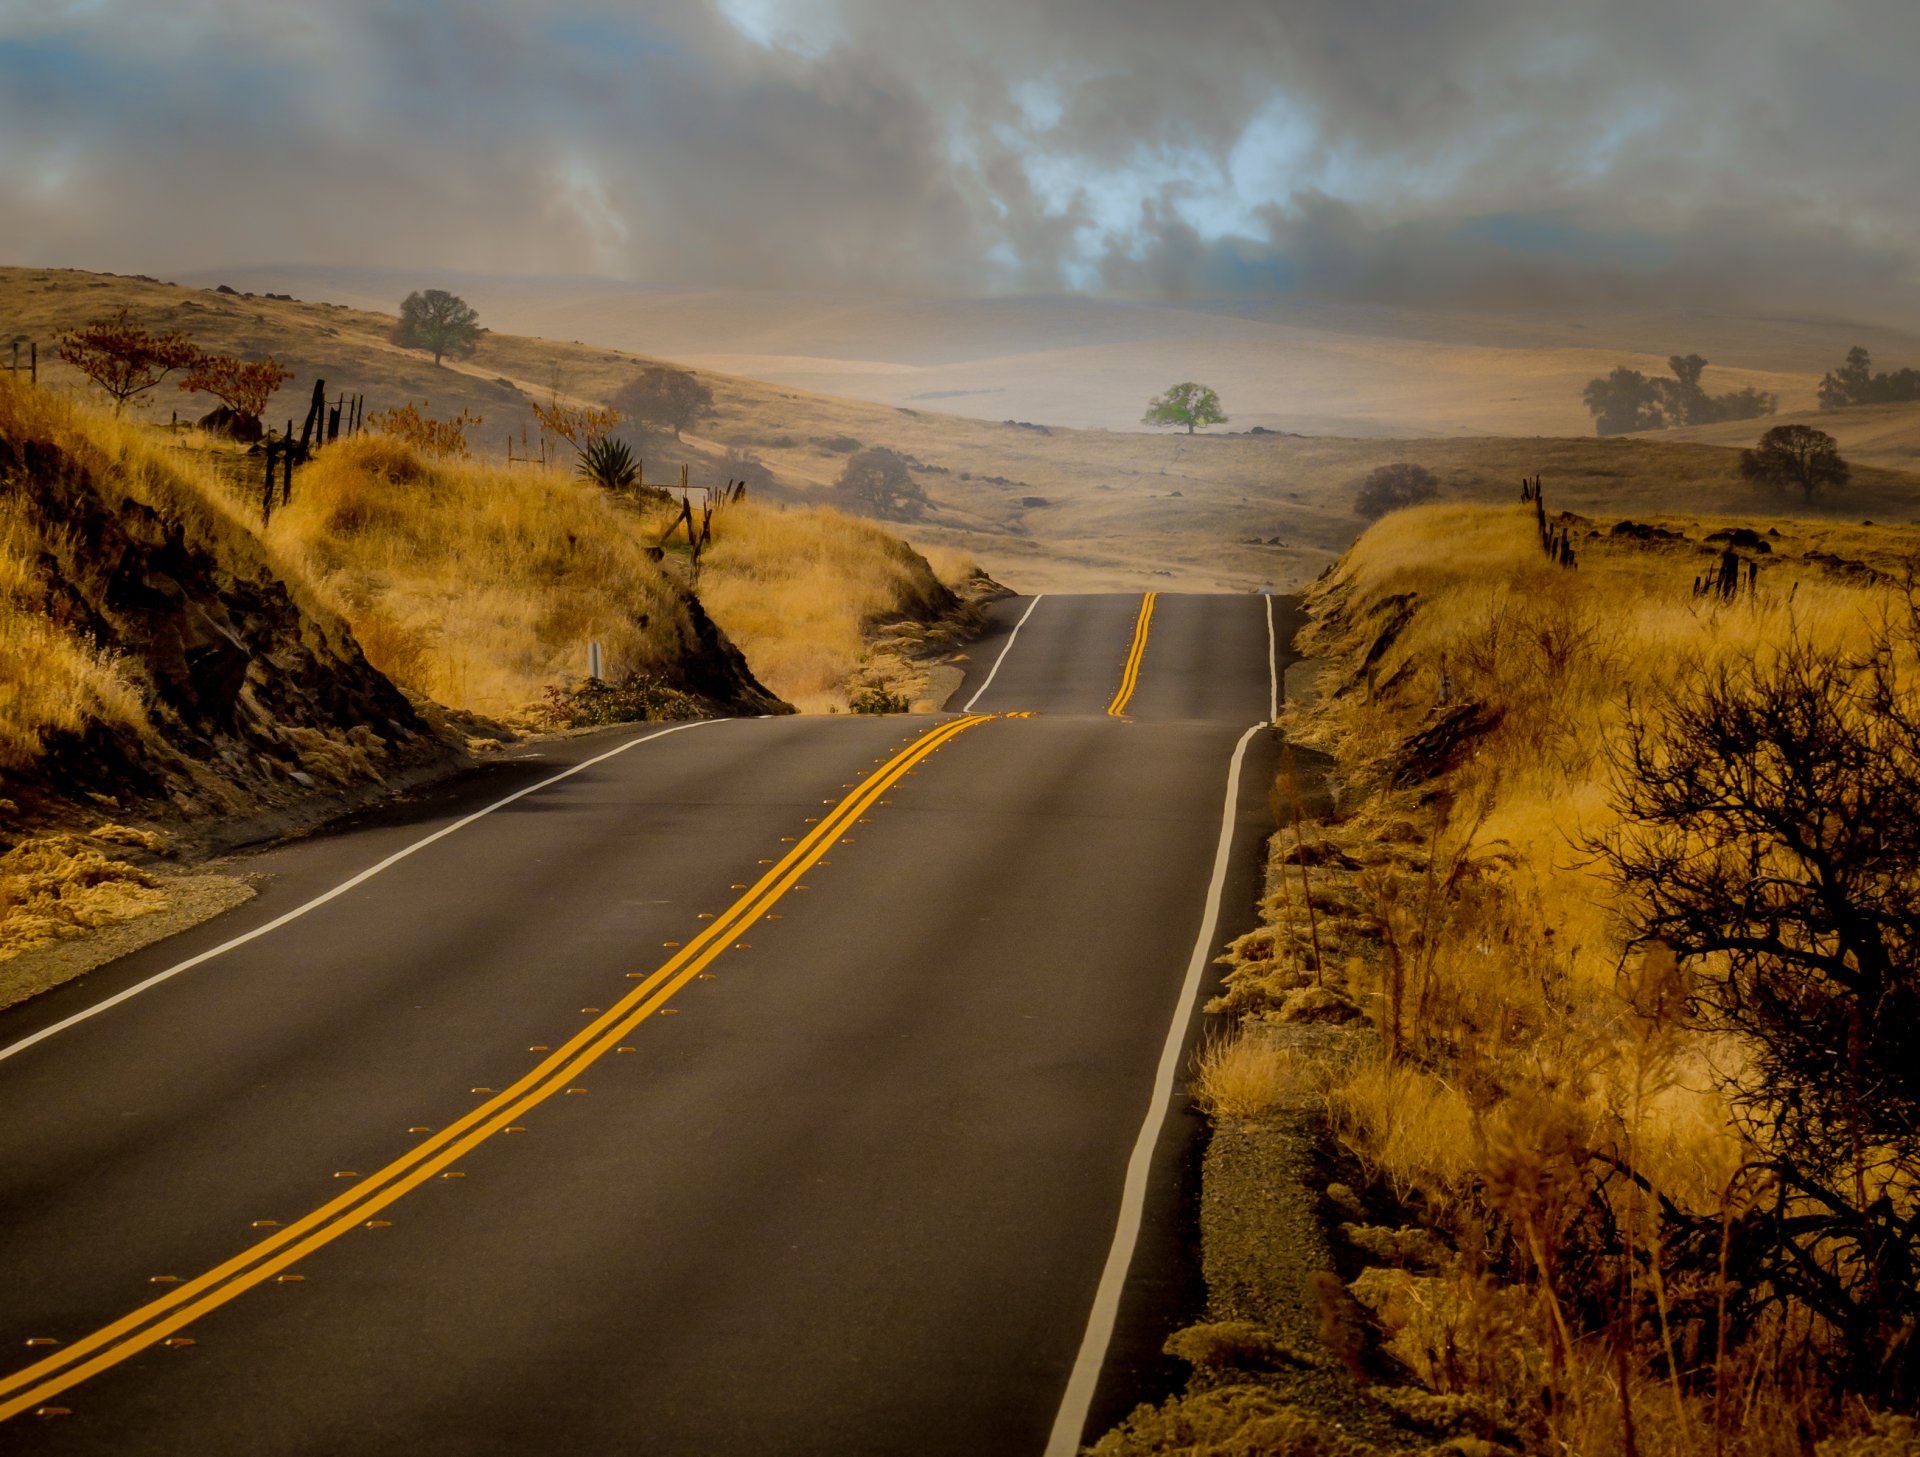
1741, 152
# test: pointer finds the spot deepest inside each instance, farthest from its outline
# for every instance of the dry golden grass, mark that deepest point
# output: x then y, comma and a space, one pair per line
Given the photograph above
1063, 510
801, 590
478, 586
58, 886
52, 679
1517, 1034
469, 583
1245, 1075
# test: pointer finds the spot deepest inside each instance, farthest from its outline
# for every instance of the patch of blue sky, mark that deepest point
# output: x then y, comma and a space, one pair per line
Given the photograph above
1555, 234
1279, 153
782, 25
91, 87
612, 39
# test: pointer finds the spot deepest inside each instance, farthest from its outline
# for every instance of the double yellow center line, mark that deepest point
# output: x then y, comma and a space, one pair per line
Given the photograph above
33, 1385
1130, 676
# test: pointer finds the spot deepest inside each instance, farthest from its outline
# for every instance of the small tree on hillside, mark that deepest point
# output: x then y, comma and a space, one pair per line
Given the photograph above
877, 482
439, 322
244, 386
1390, 487
123, 358
1795, 457
1187, 404
663, 398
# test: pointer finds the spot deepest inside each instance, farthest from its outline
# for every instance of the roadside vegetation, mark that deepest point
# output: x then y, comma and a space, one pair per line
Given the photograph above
167, 658
1597, 984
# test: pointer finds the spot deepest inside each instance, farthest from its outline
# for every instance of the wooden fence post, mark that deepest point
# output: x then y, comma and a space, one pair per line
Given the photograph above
311, 424
266, 494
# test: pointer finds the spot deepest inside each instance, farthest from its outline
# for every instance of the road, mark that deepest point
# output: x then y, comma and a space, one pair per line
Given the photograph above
757, 1086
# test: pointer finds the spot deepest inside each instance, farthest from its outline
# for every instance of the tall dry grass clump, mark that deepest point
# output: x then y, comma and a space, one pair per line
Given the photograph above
803, 591
477, 586
1632, 1266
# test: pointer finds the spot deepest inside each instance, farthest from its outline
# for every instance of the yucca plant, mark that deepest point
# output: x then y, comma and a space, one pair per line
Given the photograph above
609, 462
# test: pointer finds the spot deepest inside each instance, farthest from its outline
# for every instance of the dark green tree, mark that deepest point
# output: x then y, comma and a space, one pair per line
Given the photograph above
1627, 400
878, 482
437, 321
1795, 457
1682, 399
1390, 487
1624, 401
662, 398
1186, 404
1850, 384
1855, 383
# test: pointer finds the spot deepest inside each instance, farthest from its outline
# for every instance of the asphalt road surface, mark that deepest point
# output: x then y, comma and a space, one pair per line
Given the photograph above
760, 1086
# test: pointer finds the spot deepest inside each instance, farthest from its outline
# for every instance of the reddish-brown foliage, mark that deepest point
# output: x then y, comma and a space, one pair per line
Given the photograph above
242, 385
123, 358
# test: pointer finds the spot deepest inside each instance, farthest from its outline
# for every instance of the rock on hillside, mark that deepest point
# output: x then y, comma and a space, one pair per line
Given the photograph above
253, 698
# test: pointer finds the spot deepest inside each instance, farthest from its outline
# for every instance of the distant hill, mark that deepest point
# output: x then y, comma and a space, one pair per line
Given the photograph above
1041, 507
1287, 364
1882, 435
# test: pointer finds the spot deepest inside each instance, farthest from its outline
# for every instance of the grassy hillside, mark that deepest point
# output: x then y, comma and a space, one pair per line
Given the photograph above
1041, 509
1286, 363
1565, 1196
166, 660
1870, 435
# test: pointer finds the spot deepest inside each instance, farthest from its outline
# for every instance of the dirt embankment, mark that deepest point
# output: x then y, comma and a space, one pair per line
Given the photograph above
172, 685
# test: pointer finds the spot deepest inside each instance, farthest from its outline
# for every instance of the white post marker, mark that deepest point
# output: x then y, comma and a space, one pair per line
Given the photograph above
1071, 1419
339, 890
968, 706
593, 659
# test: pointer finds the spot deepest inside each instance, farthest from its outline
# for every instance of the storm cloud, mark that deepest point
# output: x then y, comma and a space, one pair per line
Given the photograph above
1483, 152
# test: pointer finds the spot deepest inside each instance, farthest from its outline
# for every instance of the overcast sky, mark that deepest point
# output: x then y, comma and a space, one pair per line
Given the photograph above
1758, 153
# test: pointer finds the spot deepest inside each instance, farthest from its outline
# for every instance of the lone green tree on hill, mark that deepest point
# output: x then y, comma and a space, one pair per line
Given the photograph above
1186, 404
442, 323
1795, 457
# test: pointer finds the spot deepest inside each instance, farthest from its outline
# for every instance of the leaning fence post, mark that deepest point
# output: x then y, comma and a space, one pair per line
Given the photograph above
312, 421
33, 362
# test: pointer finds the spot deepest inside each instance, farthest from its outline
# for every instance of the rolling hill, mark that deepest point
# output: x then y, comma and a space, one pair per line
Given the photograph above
1042, 507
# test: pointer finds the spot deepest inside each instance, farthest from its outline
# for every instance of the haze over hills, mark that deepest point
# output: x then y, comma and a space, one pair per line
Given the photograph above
1091, 363
1043, 507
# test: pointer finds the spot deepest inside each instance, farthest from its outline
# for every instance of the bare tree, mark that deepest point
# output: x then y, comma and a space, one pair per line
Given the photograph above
1771, 838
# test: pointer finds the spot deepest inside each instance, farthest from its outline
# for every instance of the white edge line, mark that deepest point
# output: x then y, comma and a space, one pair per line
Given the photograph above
1273, 667
1071, 1419
339, 890
968, 706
